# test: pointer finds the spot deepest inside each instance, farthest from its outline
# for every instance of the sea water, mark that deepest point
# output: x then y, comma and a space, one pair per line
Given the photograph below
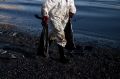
94, 20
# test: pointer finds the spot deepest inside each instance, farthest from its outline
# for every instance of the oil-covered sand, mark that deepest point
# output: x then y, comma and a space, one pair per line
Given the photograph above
87, 61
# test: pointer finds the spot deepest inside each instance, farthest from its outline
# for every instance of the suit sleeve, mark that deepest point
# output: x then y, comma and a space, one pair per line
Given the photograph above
72, 7
45, 8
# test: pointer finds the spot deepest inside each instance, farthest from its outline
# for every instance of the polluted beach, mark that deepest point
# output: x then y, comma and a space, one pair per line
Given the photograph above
95, 33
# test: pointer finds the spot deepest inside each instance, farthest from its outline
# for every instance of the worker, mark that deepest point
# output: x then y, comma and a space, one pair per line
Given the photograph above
56, 14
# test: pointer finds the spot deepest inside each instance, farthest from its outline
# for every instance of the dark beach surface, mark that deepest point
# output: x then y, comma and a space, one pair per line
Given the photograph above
87, 61
97, 53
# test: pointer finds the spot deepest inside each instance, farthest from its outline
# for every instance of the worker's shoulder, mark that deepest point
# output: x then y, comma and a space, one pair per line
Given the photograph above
69, 0
52, 0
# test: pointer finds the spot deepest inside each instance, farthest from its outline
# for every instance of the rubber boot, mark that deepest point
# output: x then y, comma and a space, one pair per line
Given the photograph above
63, 59
40, 52
50, 42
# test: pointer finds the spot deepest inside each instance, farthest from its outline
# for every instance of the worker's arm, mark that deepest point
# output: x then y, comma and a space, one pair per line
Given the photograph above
45, 11
72, 10
46, 7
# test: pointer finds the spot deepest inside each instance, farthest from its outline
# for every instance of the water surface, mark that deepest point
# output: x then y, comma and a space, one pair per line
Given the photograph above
94, 18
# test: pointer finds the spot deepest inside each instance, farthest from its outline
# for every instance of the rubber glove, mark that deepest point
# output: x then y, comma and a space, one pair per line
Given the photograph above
45, 20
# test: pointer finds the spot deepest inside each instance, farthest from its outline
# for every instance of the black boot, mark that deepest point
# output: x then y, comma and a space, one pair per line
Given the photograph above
50, 42
63, 59
40, 52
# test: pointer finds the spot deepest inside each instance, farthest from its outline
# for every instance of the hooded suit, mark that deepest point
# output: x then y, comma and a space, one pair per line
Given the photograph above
58, 13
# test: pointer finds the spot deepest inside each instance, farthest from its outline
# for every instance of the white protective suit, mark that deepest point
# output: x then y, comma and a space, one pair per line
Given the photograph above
58, 13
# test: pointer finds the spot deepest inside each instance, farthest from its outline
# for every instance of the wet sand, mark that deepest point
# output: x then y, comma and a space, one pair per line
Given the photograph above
87, 61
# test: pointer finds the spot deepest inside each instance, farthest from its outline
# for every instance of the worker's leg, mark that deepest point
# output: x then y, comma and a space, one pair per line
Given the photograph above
57, 32
58, 35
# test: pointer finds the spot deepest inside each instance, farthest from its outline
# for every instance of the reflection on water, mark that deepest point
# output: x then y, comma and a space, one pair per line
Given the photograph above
98, 4
94, 17
10, 7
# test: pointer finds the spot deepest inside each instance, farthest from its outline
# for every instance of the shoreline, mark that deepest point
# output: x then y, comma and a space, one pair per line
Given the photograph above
87, 61
9, 34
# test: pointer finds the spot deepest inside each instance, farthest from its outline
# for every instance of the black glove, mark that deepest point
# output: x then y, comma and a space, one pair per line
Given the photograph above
71, 14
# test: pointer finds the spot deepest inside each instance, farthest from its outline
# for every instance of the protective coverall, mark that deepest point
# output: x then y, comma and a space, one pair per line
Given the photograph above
58, 13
